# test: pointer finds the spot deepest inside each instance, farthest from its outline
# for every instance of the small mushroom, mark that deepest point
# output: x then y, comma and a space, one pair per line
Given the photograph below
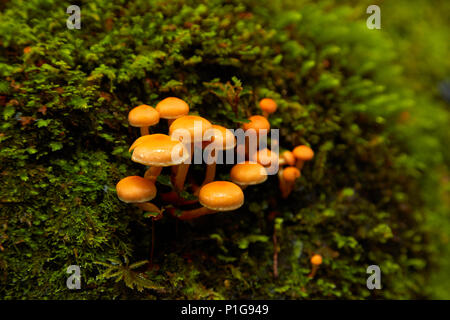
216, 196
260, 125
248, 173
142, 117
302, 153
189, 130
158, 151
316, 261
268, 106
135, 189
221, 139
172, 108
287, 158
287, 181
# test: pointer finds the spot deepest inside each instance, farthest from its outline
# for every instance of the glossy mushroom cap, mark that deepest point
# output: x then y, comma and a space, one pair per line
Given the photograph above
192, 124
265, 157
134, 189
257, 123
172, 108
288, 157
221, 137
143, 116
268, 105
158, 150
248, 173
303, 153
221, 196
290, 174
316, 259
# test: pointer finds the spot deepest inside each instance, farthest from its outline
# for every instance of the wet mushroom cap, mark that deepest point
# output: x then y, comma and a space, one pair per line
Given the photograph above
268, 105
192, 124
289, 157
143, 116
257, 123
158, 150
135, 189
316, 259
221, 196
303, 153
221, 137
172, 108
248, 173
291, 174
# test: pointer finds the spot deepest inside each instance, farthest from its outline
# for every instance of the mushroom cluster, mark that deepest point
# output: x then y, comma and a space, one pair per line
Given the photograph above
187, 133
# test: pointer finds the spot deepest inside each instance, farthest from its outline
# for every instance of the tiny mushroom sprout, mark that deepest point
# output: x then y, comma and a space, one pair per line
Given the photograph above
248, 173
316, 261
216, 196
287, 180
190, 130
158, 151
172, 108
143, 116
260, 125
137, 190
302, 153
268, 106
221, 139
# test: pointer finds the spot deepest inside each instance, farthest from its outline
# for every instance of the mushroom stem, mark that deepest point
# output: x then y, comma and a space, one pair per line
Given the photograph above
283, 185
195, 213
152, 173
313, 271
182, 171
210, 170
144, 131
265, 114
299, 164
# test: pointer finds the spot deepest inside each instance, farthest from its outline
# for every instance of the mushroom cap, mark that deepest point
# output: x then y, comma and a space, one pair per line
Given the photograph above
221, 196
158, 150
221, 137
268, 105
143, 116
248, 173
265, 157
316, 259
172, 108
303, 152
291, 174
289, 157
191, 124
257, 123
135, 189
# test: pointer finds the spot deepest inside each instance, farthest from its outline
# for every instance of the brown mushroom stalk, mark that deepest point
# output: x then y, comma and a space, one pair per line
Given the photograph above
152, 173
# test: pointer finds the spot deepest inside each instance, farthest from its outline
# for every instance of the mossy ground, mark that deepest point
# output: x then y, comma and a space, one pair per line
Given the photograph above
376, 193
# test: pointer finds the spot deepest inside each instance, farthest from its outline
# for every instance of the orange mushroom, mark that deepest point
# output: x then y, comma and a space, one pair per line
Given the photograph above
142, 117
268, 106
248, 173
216, 196
287, 180
316, 261
172, 108
302, 153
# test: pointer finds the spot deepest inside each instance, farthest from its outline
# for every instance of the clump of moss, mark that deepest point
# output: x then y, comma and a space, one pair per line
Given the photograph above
65, 95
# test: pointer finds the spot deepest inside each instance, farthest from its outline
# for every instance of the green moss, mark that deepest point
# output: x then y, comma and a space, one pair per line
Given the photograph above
369, 196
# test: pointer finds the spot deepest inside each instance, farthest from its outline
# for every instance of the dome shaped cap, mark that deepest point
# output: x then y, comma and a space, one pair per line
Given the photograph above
172, 108
248, 173
143, 116
288, 157
190, 123
221, 196
303, 153
257, 123
158, 150
316, 259
268, 105
134, 189
221, 137
290, 174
